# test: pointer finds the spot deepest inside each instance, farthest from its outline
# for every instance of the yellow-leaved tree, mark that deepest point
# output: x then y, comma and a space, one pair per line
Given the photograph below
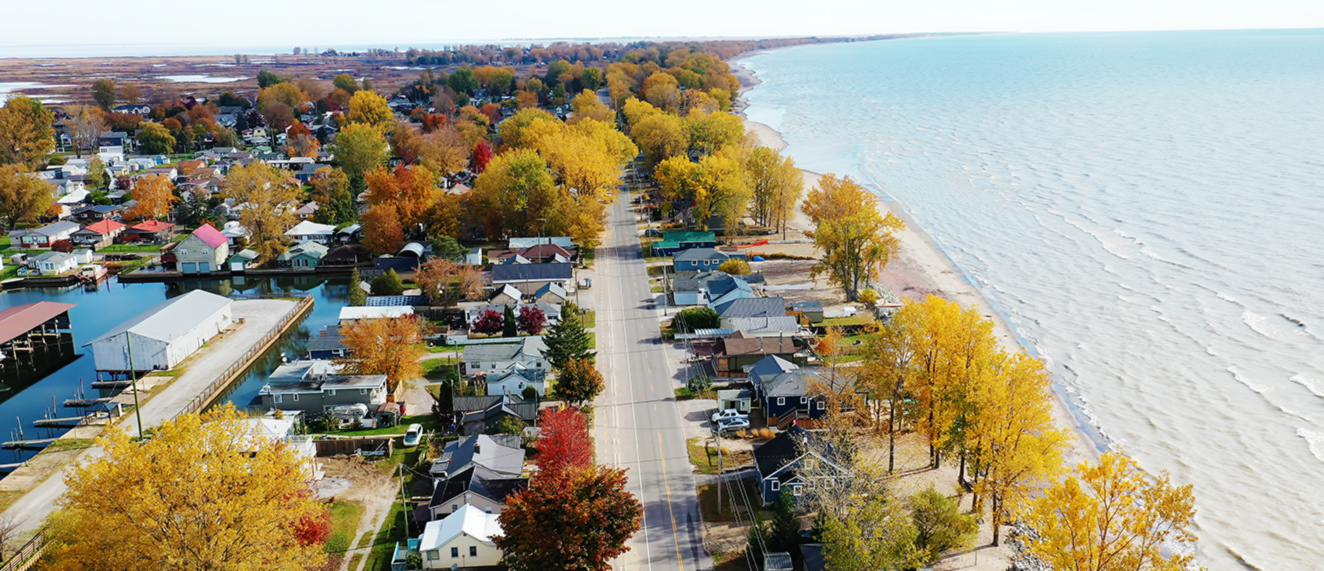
1113, 517
204, 492
386, 346
371, 109
153, 196
856, 239
266, 200
777, 186
1014, 447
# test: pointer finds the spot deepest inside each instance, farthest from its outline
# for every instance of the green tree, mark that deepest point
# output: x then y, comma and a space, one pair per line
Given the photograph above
690, 319
103, 92
785, 532
357, 297
875, 534
567, 339
359, 149
448, 248
463, 81
511, 425
155, 139
25, 132
578, 382
346, 82
940, 525
508, 327
96, 174
388, 283
267, 79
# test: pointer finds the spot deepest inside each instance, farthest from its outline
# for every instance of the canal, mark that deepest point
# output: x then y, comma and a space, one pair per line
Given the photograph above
27, 390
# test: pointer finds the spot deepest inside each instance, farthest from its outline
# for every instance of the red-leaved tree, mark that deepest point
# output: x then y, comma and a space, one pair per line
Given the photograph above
481, 155
489, 322
62, 246
314, 530
531, 319
590, 512
563, 442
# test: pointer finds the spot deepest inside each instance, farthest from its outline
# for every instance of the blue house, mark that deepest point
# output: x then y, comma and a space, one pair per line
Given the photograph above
673, 242
708, 288
698, 259
778, 462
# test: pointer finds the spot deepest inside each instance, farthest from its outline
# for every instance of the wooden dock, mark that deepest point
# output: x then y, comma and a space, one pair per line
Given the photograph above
37, 444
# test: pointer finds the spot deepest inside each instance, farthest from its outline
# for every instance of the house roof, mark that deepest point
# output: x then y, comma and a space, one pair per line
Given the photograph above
769, 366
104, 227
481, 450
695, 281
244, 254
812, 553
794, 383
509, 290
781, 324
53, 256
310, 228
20, 319
522, 243
531, 347
552, 288
55, 228
210, 235
375, 312
481, 481
531, 272
698, 254
770, 456
328, 340
546, 251
311, 249
468, 520
736, 344
753, 307
314, 375
152, 226
170, 319
396, 300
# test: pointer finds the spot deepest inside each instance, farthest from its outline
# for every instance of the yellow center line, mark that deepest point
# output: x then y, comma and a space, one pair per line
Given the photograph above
675, 534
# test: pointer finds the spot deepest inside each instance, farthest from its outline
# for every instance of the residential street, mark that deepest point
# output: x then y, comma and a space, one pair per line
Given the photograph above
638, 424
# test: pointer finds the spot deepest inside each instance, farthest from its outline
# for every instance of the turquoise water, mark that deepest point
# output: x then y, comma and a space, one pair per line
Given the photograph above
1144, 208
26, 394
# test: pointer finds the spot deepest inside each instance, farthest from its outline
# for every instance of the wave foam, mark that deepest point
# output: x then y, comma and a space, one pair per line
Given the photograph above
1315, 440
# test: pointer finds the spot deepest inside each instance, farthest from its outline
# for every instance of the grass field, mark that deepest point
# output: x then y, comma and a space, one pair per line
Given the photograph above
394, 530
130, 248
424, 419
345, 517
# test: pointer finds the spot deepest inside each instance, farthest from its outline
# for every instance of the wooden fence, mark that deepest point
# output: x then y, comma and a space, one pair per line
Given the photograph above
355, 446
27, 555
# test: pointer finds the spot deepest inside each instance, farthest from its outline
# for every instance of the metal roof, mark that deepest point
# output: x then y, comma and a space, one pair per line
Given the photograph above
170, 319
531, 272
20, 319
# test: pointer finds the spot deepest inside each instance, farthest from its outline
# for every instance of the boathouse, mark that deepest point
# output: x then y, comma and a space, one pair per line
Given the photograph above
164, 335
23, 326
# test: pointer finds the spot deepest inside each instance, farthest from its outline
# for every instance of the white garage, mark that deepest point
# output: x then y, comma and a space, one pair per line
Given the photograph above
164, 335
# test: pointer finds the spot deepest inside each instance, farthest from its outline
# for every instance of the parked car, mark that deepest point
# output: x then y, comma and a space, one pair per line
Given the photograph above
732, 424
721, 415
413, 434
585, 283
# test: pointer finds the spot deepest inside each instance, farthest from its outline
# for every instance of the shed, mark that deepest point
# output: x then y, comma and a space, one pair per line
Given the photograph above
242, 260
304, 255
164, 335
506, 295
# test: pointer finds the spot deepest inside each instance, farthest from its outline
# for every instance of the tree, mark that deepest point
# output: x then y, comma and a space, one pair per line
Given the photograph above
25, 132
410, 191
331, 192
488, 322
359, 148
869, 297
287, 94
590, 510
204, 492
448, 248
357, 297
371, 109
382, 231
578, 382
1113, 517
85, 127
661, 136
876, 534
154, 196
722, 191
531, 319
103, 92
777, 186
567, 339
155, 139
940, 525
23, 196
96, 177
463, 81
508, 326
563, 442
512, 424
447, 281
388, 346
785, 532
891, 365
482, 154
710, 132
268, 199
346, 82
131, 93
734, 266
388, 283
690, 319
278, 116
267, 79
856, 240
518, 195
586, 105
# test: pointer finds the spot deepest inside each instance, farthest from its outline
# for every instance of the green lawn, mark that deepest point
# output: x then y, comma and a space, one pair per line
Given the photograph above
446, 349
441, 369
345, 518
858, 319
394, 530
590, 319
424, 419
130, 248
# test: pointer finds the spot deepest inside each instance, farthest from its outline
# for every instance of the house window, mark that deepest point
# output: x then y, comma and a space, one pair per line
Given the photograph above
455, 552
776, 486
822, 405
433, 555
473, 551
804, 400
454, 507
278, 398
796, 489
183, 251
488, 509
331, 392
781, 400
363, 391
296, 397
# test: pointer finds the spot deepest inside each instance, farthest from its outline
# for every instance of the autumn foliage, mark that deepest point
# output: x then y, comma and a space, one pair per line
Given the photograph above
578, 520
154, 195
531, 319
488, 322
385, 346
563, 443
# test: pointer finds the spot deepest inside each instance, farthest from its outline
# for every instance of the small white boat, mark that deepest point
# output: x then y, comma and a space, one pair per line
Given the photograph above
92, 273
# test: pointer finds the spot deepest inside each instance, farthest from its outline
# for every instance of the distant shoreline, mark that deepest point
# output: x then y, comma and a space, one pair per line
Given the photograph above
922, 268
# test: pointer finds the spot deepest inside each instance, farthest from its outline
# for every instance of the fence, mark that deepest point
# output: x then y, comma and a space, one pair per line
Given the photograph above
350, 446
27, 555
226, 377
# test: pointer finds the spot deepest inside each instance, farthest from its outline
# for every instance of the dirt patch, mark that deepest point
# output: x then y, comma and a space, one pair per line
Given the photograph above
368, 486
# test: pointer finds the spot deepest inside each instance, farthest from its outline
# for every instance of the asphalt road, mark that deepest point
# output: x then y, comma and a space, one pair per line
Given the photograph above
638, 425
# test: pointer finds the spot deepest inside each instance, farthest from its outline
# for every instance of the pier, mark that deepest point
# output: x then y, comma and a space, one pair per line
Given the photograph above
24, 327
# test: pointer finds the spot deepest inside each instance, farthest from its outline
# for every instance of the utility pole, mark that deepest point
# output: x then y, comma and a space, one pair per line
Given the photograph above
133, 378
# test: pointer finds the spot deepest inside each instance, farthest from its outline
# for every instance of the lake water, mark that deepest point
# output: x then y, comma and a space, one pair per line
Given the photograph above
1144, 208
28, 396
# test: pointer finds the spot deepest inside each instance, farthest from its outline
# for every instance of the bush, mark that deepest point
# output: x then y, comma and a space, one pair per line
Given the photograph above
734, 266
941, 524
869, 297
699, 383
688, 320
62, 246
530, 394
388, 283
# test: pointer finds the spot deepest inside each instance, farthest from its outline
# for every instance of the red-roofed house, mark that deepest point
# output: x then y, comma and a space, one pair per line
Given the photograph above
98, 235
150, 231
202, 252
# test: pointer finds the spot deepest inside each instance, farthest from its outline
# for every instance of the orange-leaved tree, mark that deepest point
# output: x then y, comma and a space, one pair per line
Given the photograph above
388, 346
203, 492
589, 508
153, 196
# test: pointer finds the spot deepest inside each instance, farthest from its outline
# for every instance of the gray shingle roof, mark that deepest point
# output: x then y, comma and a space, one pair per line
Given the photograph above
530, 346
531, 272
753, 307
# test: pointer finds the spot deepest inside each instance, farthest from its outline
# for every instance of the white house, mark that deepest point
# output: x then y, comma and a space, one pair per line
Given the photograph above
500, 357
463, 539
309, 231
164, 335
275, 430
512, 382
53, 263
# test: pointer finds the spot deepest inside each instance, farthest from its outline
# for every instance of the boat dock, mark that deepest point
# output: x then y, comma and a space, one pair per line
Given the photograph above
24, 327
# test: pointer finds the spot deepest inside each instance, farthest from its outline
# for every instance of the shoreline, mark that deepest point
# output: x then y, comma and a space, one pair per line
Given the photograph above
922, 268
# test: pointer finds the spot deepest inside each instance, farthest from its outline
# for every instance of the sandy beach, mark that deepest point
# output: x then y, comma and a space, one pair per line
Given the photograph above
921, 269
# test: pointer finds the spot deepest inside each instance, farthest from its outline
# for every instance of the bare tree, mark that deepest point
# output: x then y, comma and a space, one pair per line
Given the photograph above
9, 532
85, 128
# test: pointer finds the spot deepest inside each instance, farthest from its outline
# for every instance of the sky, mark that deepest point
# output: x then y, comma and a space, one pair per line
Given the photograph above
331, 23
